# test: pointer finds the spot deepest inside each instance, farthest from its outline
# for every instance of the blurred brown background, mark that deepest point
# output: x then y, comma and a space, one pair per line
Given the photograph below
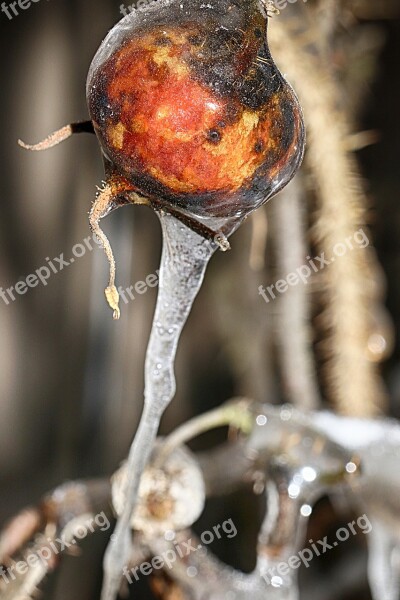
72, 379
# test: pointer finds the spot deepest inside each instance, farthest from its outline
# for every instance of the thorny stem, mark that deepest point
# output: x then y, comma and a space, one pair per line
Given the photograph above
353, 381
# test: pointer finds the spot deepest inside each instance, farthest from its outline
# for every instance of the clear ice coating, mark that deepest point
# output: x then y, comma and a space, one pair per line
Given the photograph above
184, 261
298, 464
301, 457
377, 442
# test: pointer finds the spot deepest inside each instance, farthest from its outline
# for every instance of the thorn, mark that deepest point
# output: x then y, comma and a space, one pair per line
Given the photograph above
52, 140
59, 136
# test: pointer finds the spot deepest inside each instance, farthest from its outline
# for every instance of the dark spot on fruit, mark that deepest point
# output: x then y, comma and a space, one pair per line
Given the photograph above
221, 124
195, 40
236, 41
260, 83
259, 147
219, 76
214, 136
100, 104
231, 113
225, 41
258, 33
159, 72
288, 131
163, 41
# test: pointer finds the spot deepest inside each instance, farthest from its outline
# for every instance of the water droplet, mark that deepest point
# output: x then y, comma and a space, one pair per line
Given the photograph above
258, 488
298, 478
166, 333
191, 571
351, 467
276, 581
293, 490
306, 510
169, 535
286, 412
261, 420
309, 474
158, 371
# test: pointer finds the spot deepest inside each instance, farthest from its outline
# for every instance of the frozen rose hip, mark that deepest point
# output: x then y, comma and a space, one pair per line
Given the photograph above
192, 115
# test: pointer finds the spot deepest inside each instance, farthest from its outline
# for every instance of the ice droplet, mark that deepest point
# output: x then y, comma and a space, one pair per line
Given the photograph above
309, 474
293, 490
286, 412
306, 510
167, 333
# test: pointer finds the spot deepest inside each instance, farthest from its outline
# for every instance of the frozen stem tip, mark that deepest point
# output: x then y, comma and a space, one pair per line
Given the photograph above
112, 297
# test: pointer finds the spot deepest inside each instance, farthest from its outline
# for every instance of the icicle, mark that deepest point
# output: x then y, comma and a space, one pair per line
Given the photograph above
183, 264
383, 564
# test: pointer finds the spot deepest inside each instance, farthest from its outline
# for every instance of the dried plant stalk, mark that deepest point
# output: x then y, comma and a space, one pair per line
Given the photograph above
293, 319
351, 295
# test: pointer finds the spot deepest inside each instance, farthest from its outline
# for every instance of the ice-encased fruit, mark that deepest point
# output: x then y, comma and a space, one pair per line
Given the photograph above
189, 106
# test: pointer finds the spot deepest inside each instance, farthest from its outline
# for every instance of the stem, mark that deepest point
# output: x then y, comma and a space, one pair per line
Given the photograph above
236, 415
293, 329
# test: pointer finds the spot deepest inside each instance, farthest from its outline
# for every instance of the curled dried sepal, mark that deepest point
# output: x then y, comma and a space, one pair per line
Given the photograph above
102, 205
107, 200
